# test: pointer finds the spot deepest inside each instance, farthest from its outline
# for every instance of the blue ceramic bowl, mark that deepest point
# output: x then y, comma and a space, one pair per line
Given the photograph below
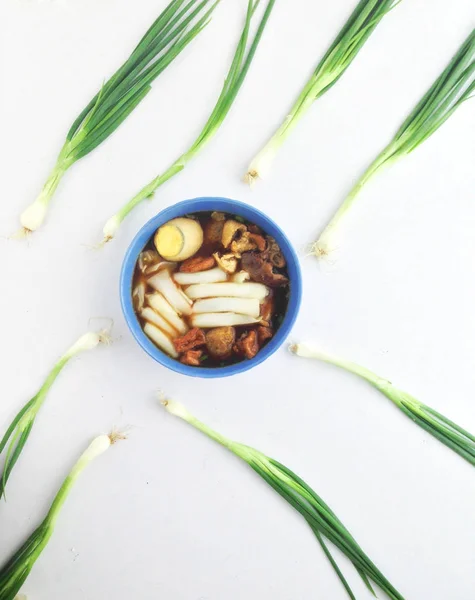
200, 205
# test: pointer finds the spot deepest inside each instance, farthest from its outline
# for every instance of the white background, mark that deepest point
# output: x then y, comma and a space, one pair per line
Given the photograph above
168, 514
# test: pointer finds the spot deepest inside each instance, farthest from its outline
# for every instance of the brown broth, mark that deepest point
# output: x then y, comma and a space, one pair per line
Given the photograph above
280, 294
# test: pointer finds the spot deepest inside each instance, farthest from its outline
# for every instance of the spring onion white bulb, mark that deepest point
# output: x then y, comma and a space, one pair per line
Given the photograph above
222, 319
160, 339
32, 217
244, 306
111, 228
159, 304
210, 276
229, 289
163, 283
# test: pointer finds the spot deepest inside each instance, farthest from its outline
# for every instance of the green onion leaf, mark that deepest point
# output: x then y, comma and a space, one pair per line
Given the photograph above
450, 90
361, 24
240, 64
321, 519
17, 434
449, 433
169, 35
14, 573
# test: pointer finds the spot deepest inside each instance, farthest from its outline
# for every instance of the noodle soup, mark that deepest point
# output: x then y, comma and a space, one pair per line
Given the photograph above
210, 289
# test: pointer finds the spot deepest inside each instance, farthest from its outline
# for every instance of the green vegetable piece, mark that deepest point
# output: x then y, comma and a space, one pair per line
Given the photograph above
169, 35
14, 573
321, 519
242, 60
450, 90
19, 430
449, 433
339, 56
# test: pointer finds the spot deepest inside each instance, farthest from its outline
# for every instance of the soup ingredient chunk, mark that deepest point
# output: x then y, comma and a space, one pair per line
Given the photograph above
237, 290
179, 239
192, 358
163, 283
232, 230
220, 341
222, 319
213, 231
245, 306
247, 345
227, 262
210, 276
195, 337
160, 339
261, 269
160, 305
197, 264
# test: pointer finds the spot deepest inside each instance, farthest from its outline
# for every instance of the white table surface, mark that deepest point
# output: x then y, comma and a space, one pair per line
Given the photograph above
168, 514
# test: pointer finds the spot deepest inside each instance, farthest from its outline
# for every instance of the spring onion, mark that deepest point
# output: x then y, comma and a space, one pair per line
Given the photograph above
449, 433
322, 520
14, 573
450, 90
20, 428
169, 35
339, 56
243, 57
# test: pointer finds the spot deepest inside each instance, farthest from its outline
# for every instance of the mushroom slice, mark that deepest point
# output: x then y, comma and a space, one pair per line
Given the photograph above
245, 306
244, 244
163, 283
161, 306
222, 319
147, 259
149, 315
210, 276
229, 289
230, 231
160, 339
227, 262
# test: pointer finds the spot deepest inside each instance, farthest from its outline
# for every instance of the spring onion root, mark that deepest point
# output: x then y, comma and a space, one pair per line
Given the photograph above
243, 57
452, 435
452, 88
339, 56
169, 35
14, 573
19, 430
321, 519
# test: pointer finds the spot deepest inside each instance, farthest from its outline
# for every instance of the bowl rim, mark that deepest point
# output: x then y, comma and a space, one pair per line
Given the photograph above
206, 204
